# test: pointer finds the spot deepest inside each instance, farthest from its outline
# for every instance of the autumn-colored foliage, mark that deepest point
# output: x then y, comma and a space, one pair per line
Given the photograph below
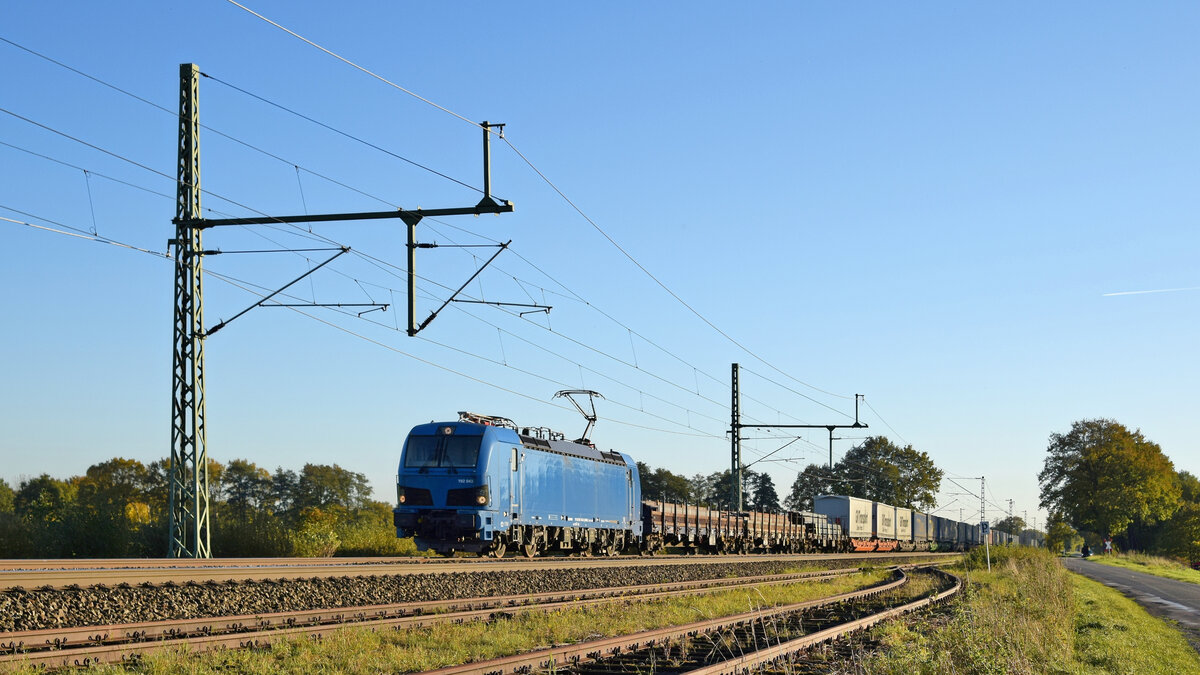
118, 509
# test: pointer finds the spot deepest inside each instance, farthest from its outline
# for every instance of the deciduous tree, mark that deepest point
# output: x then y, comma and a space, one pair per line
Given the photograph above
815, 479
1103, 477
764, 496
321, 486
1010, 524
44, 499
1189, 487
660, 483
7, 497
882, 471
246, 486
1060, 536
1180, 536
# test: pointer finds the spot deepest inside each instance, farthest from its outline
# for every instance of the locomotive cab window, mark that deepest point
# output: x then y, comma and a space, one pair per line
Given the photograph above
457, 452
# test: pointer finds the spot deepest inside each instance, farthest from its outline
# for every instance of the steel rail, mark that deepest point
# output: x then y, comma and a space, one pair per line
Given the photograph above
52, 564
260, 569
35, 564
747, 662
49, 638
120, 642
566, 655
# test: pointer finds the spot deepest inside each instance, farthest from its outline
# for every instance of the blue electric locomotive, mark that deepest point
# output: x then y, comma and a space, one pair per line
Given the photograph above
481, 485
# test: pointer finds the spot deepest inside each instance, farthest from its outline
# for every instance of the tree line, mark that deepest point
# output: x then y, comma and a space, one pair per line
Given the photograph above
1101, 479
714, 489
877, 469
118, 508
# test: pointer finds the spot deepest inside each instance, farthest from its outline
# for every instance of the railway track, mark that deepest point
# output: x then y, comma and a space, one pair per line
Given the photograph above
125, 642
42, 574
726, 646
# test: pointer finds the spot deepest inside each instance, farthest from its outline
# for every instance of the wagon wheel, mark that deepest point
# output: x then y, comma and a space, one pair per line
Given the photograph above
530, 550
599, 547
618, 545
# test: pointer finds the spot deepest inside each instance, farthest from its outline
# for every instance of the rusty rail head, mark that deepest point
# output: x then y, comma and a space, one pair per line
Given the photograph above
73, 646
557, 657
748, 662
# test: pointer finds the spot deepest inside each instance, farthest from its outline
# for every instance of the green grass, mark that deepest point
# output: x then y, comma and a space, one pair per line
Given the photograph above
363, 651
1159, 567
1029, 615
1113, 634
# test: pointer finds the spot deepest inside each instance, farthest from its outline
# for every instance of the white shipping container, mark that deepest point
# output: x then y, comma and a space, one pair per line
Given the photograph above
852, 514
885, 520
904, 524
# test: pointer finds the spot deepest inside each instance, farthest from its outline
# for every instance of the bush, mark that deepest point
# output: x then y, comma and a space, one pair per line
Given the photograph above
250, 535
15, 541
367, 539
1016, 619
977, 558
314, 540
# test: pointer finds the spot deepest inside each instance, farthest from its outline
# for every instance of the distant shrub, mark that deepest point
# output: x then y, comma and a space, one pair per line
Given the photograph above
364, 539
250, 535
977, 558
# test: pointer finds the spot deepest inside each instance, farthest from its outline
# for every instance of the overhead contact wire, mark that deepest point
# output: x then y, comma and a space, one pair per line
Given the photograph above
298, 168
354, 65
548, 182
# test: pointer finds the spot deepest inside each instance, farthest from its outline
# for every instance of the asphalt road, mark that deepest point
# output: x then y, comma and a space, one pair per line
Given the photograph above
1166, 598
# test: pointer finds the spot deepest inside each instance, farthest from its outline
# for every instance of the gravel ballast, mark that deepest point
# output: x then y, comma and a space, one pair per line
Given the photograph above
98, 606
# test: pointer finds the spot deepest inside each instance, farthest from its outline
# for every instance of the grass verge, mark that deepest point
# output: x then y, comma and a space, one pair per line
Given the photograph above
1029, 615
363, 651
1159, 567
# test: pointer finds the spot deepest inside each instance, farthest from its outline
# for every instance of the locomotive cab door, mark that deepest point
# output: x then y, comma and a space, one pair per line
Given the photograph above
514, 483
629, 496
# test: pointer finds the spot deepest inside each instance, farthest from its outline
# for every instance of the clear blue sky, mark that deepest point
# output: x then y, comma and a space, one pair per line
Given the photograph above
924, 205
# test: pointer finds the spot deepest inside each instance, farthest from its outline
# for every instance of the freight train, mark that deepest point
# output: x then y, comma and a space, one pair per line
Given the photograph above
480, 484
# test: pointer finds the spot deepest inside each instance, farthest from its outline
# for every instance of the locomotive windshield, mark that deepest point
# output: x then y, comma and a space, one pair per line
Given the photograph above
457, 452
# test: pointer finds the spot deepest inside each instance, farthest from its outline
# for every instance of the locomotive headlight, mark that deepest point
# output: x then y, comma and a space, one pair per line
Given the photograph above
400, 499
481, 495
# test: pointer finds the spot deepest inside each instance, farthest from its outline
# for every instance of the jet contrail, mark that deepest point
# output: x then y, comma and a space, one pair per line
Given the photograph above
1159, 290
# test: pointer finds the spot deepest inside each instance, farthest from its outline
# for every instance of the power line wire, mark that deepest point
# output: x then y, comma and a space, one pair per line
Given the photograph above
340, 132
550, 183
885, 422
218, 132
617, 359
83, 234
355, 65
528, 162
77, 233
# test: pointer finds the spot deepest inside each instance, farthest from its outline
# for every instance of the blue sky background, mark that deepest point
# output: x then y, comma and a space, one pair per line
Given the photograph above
924, 205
